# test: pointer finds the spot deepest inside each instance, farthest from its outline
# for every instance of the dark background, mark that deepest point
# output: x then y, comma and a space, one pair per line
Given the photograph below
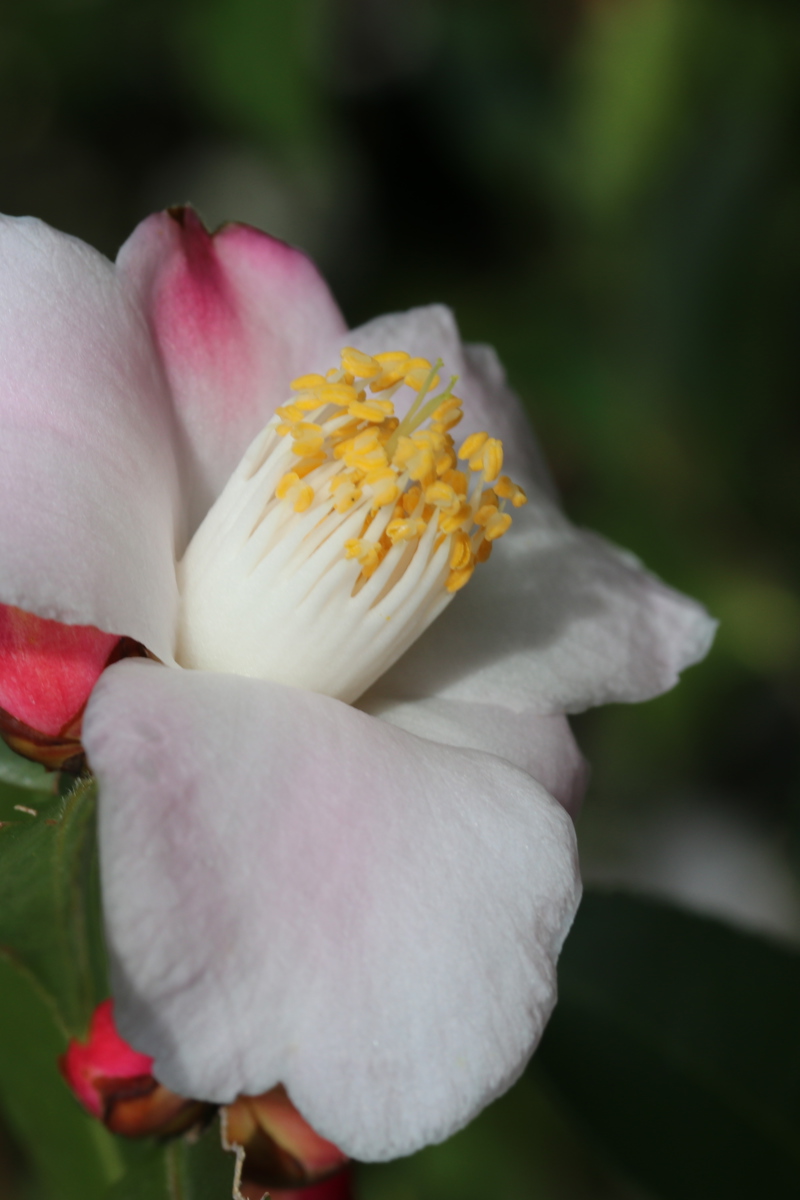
609, 192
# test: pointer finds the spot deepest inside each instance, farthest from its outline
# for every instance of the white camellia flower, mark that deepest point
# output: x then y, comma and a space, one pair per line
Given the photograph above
330, 858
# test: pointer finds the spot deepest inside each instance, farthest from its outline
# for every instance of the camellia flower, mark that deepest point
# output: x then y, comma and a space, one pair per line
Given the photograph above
335, 837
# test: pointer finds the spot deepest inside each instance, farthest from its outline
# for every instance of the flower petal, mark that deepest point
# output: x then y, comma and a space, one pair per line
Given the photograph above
87, 477
489, 404
236, 316
558, 620
297, 892
543, 746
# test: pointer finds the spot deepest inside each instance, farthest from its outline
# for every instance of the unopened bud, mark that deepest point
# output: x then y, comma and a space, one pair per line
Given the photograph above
47, 672
281, 1150
115, 1084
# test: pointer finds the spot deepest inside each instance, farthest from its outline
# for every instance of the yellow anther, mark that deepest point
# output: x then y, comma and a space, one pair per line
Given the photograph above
400, 530
303, 382
308, 438
308, 403
393, 367
457, 579
484, 514
290, 413
417, 372
390, 359
457, 481
489, 459
422, 466
461, 555
337, 393
459, 518
411, 499
369, 554
445, 461
299, 495
347, 497
447, 415
508, 490
496, 526
288, 481
383, 483
310, 463
471, 445
363, 366
483, 552
372, 410
441, 494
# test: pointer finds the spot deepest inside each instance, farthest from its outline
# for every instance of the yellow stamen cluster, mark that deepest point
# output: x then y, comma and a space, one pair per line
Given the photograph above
352, 450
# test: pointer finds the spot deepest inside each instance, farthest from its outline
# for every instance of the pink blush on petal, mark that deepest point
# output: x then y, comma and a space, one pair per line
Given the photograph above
196, 314
48, 670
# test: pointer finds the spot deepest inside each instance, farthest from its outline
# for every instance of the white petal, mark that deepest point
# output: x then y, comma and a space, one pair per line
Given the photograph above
541, 745
296, 891
88, 482
557, 620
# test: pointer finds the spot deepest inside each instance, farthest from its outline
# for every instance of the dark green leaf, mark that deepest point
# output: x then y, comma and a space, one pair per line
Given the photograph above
49, 910
180, 1170
520, 1148
675, 1042
75, 1156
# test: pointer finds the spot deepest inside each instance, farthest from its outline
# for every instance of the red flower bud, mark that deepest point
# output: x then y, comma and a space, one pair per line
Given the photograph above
47, 672
281, 1150
115, 1084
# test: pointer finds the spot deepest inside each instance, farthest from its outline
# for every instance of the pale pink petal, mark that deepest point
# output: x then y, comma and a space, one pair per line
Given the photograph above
557, 620
88, 483
298, 892
489, 404
236, 316
543, 746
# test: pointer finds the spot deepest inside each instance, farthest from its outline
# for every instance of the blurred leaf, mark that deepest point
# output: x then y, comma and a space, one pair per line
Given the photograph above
254, 60
519, 1148
180, 1170
675, 1042
74, 1154
50, 925
23, 773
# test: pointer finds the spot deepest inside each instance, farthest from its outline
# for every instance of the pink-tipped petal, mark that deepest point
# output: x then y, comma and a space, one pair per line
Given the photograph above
298, 892
88, 483
558, 620
236, 316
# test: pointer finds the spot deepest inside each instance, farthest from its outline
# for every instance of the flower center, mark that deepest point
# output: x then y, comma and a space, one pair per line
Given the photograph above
344, 531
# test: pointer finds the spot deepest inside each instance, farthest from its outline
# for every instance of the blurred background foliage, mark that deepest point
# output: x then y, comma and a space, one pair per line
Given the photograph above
609, 192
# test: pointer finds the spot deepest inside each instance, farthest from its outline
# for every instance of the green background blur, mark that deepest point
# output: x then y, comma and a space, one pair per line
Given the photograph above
609, 192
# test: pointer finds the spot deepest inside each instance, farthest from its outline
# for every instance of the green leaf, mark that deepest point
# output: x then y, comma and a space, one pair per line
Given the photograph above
75, 1156
181, 1170
22, 773
675, 1042
50, 925
519, 1148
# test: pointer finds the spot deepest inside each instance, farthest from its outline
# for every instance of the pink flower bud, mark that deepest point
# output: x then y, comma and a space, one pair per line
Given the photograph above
281, 1149
115, 1084
47, 672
